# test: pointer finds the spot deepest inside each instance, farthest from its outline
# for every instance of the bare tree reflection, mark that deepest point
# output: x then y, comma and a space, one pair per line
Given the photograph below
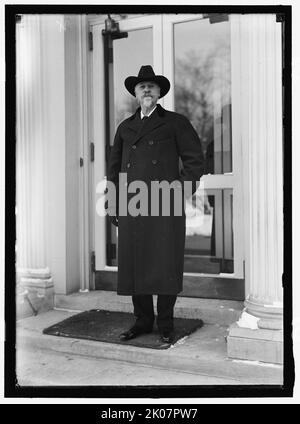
201, 78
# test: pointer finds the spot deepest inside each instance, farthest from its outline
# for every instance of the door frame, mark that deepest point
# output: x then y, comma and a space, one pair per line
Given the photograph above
86, 177
163, 40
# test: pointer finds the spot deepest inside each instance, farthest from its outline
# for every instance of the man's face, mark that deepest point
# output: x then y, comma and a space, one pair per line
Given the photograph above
147, 93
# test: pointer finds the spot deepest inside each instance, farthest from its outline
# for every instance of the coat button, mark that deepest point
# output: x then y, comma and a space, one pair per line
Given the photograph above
134, 146
128, 165
150, 142
154, 161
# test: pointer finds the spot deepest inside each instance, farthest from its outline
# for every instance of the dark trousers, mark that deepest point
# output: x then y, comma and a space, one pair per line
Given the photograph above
144, 311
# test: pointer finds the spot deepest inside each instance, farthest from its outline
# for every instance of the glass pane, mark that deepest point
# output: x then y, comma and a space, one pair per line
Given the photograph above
139, 42
209, 232
203, 87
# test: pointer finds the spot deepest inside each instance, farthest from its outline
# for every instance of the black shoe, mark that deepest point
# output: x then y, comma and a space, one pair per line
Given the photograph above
167, 336
132, 333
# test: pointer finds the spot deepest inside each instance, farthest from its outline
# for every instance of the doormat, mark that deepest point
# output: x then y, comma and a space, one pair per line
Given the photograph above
106, 326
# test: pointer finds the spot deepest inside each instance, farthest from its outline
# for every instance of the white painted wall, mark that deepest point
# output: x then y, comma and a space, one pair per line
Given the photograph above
53, 69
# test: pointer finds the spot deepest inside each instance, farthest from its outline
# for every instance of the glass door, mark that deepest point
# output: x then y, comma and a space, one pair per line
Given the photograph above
197, 61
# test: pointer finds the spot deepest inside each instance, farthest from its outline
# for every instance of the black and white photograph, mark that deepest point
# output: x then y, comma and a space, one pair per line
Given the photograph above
149, 148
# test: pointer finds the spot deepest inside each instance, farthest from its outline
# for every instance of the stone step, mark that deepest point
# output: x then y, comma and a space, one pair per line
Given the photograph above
211, 311
204, 352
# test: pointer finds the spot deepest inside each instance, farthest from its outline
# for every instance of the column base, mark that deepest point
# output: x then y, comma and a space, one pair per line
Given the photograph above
34, 294
255, 344
269, 317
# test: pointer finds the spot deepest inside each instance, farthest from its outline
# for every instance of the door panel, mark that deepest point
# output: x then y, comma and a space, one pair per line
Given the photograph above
201, 90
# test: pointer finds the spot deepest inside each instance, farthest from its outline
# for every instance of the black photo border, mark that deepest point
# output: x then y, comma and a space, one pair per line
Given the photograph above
12, 389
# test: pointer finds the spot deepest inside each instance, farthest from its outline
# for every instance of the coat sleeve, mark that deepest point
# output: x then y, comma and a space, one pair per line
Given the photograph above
114, 167
190, 151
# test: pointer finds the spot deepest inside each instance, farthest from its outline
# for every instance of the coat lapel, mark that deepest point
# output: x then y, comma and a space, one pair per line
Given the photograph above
154, 121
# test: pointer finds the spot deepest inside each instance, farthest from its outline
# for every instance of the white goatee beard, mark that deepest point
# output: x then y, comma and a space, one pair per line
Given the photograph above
148, 102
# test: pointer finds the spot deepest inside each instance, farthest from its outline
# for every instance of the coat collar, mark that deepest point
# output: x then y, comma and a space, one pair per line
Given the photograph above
159, 110
155, 120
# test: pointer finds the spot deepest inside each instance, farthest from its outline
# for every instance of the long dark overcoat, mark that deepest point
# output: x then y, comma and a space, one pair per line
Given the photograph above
151, 248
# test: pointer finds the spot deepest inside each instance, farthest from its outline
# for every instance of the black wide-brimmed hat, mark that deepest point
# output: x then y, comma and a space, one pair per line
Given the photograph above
147, 74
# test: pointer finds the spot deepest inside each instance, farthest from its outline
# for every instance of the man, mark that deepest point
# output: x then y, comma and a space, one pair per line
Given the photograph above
148, 147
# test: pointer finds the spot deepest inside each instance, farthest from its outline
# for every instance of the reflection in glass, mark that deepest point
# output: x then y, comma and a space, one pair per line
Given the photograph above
140, 43
209, 232
203, 87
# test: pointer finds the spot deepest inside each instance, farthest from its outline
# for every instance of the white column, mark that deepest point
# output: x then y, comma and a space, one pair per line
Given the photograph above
262, 82
31, 151
33, 270
260, 108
